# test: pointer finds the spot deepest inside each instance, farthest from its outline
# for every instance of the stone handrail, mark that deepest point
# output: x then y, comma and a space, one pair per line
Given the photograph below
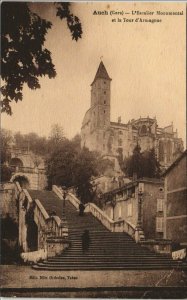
71, 197
41, 215
58, 191
18, 186
74, 200
45, 219
114, 226
100, 215
42, 209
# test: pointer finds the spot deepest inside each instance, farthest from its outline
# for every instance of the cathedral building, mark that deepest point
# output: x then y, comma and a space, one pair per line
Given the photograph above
112, 139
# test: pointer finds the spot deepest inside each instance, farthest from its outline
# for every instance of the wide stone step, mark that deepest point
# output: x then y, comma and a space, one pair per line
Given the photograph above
108, 256
107, 251
106, 242
89, 268
114, 262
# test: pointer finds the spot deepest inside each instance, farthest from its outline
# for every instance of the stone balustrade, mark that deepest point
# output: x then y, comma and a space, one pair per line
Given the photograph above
71, 197
58, 191
113, 226
74, 200
52, 232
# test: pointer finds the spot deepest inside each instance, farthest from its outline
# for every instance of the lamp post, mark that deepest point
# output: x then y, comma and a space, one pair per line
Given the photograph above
113, 203
64, 201
140, 200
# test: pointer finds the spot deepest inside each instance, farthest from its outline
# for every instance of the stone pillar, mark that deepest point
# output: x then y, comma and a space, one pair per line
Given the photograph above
140, 200
139, 234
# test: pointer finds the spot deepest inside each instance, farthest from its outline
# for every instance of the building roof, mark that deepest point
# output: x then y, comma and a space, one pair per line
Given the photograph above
101, 73
175, 163
118, 124
134, 183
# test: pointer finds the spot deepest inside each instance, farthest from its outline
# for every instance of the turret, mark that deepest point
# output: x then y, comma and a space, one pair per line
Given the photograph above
100, 99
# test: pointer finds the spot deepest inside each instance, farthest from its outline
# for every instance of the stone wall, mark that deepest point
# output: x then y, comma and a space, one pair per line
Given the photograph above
175, 199
8, 201
152, 192
124, 205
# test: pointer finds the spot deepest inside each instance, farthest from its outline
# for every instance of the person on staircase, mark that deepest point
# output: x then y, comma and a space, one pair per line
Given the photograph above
81, 209
86, 241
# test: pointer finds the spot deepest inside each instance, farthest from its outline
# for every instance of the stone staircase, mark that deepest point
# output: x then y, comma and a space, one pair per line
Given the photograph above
108, 250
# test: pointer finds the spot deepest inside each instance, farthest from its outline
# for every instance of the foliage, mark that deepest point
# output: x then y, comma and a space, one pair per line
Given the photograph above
56, 137
40, 145
60, 165
6, 173
150, 164
9, 240
9, 228
85, 167
31, 141
142, 164
6, 140
76, 140
24, 57
72, 166
135, 163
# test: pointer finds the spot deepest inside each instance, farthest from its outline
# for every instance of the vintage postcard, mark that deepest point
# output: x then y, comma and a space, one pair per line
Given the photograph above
93, 150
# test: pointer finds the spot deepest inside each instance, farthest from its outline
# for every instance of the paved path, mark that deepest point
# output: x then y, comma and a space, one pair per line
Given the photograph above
26, 277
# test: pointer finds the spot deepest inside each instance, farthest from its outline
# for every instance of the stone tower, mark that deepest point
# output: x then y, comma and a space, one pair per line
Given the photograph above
100, 100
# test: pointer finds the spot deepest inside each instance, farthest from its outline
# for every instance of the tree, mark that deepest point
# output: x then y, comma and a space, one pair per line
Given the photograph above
6, 141
143, 164
6, 173
24, 57
76, 140
85, 168
133, 165
33, 142
57, 135
151, 167
60, 164
72, 166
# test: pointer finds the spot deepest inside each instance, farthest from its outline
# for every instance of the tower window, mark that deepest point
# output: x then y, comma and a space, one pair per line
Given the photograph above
104, 101
143, 129
105, 92
104, 111
104, 82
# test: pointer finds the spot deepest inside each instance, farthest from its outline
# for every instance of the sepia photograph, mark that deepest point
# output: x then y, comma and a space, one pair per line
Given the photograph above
93, 150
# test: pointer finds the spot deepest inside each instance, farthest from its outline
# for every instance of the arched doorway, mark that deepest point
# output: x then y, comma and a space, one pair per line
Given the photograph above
22, 179
16, 163
143, 129
32, 236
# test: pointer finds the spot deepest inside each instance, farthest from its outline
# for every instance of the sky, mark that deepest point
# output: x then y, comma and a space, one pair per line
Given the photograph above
146, 62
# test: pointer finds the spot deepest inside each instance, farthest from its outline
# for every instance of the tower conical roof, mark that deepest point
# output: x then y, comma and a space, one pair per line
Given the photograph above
101, 73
